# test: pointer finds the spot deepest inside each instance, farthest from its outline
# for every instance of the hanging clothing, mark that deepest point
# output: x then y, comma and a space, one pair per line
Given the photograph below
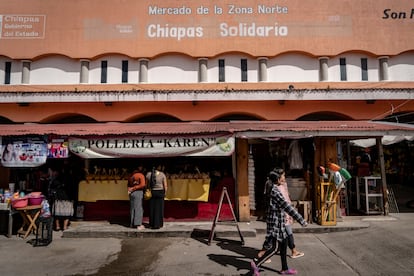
295, 156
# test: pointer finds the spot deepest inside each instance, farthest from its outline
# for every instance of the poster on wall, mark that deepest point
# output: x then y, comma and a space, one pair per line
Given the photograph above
24, 152
58, 147
152, 146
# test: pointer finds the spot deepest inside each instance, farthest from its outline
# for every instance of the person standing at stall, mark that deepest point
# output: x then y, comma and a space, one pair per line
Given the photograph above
62, 206
136, 185
157, 181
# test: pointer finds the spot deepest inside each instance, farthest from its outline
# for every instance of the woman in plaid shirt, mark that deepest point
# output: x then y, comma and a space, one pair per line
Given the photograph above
275, 228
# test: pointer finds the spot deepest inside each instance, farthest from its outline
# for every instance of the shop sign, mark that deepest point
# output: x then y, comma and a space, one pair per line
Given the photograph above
22, 26
152, 146
23, 152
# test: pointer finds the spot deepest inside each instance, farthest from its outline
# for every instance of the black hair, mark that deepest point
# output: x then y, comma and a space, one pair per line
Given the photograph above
274, 176
279, 171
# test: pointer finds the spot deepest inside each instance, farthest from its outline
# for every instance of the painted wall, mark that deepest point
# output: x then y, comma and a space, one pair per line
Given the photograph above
175, 68
203, 111
402, 67
54, 70
147, 28
293, 68
353, 67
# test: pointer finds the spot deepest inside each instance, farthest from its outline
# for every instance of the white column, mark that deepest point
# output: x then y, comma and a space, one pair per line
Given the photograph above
84, 73
262, 68
383, 68
143, 70
2, 71
202, 69
323, 69
26, 71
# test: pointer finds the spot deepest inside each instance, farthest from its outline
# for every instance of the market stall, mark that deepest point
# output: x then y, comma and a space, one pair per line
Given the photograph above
189, 196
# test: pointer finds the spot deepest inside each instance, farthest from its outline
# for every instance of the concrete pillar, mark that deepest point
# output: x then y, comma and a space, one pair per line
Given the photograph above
262, 68
143, 70
323, 69
84, 73
2, 72
26, 71
202, 69
383, 68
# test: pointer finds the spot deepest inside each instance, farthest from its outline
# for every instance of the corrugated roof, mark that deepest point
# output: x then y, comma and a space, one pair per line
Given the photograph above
114, 128
238, 128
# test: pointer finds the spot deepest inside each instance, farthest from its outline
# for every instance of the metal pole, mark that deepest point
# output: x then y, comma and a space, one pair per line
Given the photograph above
383, 176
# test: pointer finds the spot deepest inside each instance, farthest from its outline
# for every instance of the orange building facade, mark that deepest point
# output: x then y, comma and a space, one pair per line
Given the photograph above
91, 63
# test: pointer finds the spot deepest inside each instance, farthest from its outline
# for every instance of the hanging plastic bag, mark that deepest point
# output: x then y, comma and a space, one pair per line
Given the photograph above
45, 212
337, 179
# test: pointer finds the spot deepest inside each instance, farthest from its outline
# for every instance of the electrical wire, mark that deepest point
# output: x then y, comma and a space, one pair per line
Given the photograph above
391, 111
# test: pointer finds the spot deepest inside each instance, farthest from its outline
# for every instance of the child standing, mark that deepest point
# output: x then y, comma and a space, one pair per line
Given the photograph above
276, 228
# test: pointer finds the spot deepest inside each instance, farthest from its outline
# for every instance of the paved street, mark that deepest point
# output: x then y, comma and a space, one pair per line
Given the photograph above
386, 247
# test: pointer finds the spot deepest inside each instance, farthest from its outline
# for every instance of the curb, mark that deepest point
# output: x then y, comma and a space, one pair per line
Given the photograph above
192, 233
106, 230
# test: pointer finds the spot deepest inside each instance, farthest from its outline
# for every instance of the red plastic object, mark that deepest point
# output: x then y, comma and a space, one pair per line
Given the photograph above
36, 200
19, 202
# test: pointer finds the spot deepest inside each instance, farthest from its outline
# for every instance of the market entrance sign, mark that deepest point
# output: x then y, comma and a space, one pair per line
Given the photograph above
200, 28
151, 146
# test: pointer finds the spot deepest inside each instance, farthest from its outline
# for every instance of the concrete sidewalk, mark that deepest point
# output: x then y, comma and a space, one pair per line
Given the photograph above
100, 229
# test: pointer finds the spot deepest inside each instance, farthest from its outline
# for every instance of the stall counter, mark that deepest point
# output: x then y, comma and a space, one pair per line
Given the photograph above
93, 190
178, 189
188, 189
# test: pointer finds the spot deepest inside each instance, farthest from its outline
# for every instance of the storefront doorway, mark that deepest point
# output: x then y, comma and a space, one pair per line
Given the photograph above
294, 156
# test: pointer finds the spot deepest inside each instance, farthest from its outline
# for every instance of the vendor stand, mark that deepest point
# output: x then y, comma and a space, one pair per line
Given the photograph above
109, 198
107, 184
29, 214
